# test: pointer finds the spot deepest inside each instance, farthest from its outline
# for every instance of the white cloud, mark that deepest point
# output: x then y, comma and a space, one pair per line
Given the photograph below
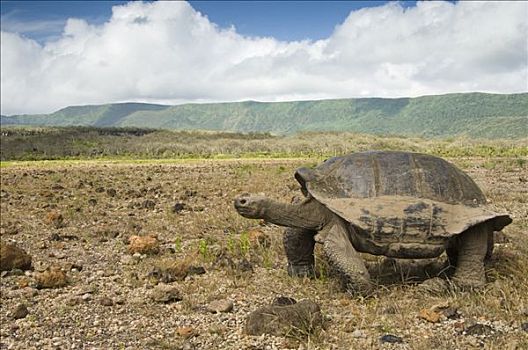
168, 52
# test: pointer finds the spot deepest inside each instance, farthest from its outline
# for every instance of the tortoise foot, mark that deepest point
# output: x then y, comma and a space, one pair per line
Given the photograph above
468, 284
301, 271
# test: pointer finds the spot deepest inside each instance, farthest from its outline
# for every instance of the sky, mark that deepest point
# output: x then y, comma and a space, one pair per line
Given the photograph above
60, 53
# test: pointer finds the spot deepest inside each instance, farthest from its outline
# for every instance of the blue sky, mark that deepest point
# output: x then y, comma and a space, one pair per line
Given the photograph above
57, 54
283, 20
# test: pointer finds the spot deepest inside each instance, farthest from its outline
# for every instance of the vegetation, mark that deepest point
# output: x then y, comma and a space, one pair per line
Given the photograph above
470, 114
134, 143
209, 253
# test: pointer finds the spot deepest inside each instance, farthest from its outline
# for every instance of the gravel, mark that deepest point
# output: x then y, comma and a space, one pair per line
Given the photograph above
105, 299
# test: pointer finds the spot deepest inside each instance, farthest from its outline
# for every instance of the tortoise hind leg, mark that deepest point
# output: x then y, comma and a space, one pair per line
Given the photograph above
347, 261
472, 251
299, 247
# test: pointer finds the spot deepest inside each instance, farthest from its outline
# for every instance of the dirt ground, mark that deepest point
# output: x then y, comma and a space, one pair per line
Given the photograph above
79, 219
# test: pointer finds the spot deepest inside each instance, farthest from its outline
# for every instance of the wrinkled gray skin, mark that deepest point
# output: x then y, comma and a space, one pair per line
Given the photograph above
342, 241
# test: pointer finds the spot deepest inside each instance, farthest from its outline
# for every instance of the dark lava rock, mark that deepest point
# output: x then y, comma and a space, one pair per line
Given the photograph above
12, 257
283, 301
148, 204
195, 270
106, 301
99, 189
245, 265
174, 273
20, 311
451, 313
389, 338
479, 329
524, 326
190, 193
178, 207
57, 237
111, 192
300, 318
15, 272
92, 202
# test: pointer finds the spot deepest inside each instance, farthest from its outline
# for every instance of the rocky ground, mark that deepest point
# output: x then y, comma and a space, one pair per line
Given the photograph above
153, 256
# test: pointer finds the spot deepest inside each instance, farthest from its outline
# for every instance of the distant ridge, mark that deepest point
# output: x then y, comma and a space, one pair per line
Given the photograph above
472, 114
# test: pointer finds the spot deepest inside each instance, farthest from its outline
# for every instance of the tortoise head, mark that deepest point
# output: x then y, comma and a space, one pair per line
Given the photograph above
308, 214
251, 206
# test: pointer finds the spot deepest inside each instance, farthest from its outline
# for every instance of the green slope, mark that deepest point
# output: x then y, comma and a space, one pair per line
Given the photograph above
96, 115
472, 114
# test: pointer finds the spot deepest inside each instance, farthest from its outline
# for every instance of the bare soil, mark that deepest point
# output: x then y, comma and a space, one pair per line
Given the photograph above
79, 218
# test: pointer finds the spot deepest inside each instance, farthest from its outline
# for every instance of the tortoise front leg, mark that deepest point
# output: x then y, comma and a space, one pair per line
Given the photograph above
472, 250
299, 246
347, 261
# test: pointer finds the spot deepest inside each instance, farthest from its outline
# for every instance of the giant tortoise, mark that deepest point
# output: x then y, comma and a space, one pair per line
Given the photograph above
397, 204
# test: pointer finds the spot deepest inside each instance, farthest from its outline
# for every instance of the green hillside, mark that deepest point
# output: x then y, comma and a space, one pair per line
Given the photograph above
472, 114
99, 115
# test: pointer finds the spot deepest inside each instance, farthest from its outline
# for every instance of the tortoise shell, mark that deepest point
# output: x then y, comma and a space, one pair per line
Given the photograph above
399, 197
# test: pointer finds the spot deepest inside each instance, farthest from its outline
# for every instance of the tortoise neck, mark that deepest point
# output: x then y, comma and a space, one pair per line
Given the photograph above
309, 214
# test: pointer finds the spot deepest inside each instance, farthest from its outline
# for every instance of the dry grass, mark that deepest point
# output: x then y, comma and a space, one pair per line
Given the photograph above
209, 233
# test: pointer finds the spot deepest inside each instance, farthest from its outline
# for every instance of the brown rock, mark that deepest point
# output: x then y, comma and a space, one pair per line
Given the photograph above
217, 306
20, 311
12, 257
170, 270
53, 277
54, 219
300, 318
185, 332
23, 282
430, 315
164, 293
143, 244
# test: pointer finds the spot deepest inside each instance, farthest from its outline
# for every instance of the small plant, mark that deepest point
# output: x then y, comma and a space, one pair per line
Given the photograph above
267, 258
490, 165
231, 245
178, 244
203, 249
244, 243
521, 162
